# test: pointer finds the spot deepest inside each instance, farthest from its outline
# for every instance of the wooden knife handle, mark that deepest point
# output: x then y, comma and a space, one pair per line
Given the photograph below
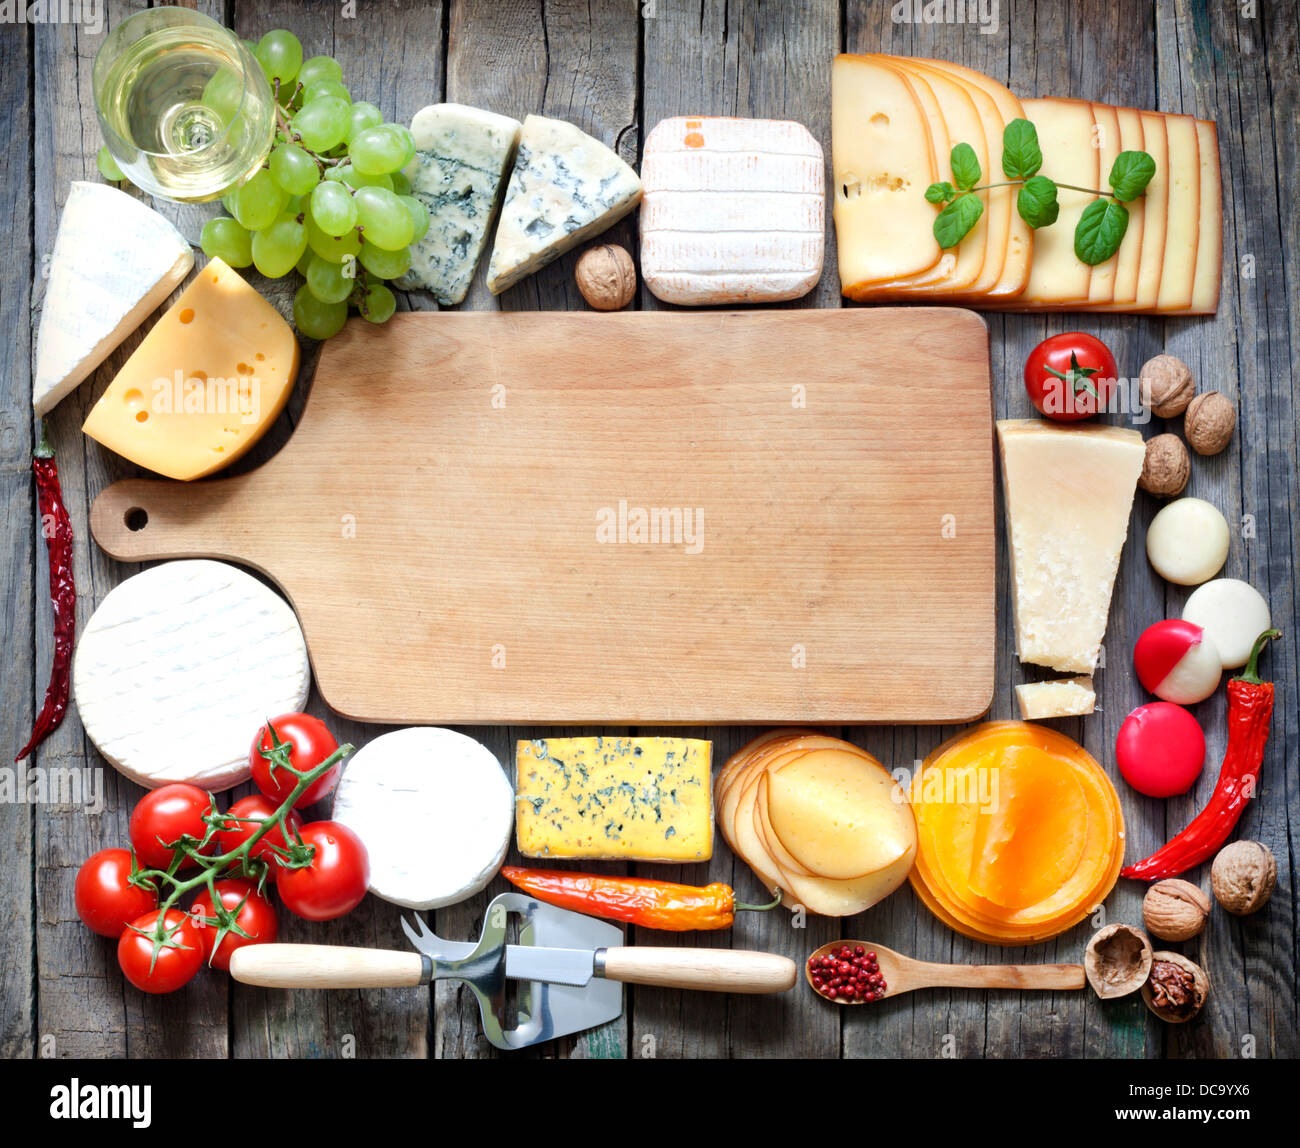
1003, 976
714, 970
326, 967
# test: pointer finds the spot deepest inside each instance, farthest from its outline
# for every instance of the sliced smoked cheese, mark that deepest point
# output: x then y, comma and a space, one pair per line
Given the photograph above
1065, 134
1124, 282
882, 160
953, 119
1155, 217
1209, 250
1178, 272
1069, 493
1106, 139
733, 210
1020, 236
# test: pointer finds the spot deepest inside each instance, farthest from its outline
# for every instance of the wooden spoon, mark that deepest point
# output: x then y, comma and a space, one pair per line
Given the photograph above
903, 974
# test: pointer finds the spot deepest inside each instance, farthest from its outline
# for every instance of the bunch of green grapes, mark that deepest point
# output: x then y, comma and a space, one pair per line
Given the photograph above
331, 199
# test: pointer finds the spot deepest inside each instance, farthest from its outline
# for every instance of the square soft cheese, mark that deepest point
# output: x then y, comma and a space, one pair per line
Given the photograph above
733, 210
615, 798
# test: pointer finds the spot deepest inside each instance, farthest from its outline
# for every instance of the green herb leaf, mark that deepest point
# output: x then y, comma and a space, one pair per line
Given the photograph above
1021, 155
955, 221
1130, 174
1036, 202
1100, 231
940, 192
965, 166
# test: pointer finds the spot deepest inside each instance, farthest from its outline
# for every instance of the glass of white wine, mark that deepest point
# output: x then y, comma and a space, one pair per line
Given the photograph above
185, 108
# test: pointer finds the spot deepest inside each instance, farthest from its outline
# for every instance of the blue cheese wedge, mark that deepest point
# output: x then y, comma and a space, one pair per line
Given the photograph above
566, 187
462, 155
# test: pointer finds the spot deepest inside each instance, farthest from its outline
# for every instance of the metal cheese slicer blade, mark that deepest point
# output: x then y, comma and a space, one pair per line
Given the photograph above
568, 969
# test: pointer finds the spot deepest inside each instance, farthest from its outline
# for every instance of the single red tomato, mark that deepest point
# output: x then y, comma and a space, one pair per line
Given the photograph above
1071, 376
245, 817
246, 907
162, 817
179, 957
105, 897
306, 743
335, 881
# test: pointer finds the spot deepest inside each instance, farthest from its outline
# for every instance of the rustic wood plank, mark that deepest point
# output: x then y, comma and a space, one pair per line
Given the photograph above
576, 62
21, 575
766, 62
391, 54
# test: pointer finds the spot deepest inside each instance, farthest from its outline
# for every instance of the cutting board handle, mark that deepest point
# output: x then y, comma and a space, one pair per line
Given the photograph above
327, 967
143, 519
714, 970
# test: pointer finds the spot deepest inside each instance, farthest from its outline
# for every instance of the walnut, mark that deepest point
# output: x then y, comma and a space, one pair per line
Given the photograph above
1209, 422
606, 277
1176, 989
1117, 961
1243, 876
1175, 910
1166, 466
1166, 385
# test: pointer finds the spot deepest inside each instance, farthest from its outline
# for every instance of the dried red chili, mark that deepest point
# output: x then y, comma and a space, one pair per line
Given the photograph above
636, 900
56, 526
1250, 709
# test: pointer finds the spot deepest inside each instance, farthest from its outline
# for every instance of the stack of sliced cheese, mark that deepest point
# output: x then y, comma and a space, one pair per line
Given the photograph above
894, 122
818, 818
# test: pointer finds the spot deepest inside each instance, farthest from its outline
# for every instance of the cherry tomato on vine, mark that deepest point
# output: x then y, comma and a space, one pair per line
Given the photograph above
257, 918
335, 881
307, 743
244, 818
1070, 376
179, 957
106, 899
162, 817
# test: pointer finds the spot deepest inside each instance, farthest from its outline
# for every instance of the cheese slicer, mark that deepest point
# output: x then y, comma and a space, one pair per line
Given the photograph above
570, 969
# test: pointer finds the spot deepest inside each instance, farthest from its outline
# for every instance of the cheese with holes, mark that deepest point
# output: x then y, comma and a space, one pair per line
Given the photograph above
114, 261
1065, 135
733, 210
461, 159
179, 667
1071, 697
565, 188
1069, 492
624, 798
206, 383
434, 810
882, 160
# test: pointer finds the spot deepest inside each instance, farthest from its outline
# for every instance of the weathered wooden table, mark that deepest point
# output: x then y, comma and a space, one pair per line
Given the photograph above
616, 67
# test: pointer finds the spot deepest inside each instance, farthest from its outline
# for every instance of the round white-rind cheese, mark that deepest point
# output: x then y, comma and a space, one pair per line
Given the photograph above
180, 666
435, 811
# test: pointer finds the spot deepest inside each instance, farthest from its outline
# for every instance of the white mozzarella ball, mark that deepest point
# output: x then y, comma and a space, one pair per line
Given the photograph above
1233, 614
1187, 541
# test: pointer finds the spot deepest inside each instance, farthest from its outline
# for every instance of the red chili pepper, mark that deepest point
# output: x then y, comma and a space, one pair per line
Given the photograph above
1250, 708
57, 528
637, 900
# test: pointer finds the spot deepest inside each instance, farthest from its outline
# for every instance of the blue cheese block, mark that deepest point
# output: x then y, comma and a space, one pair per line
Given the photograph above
566, 187
458, 171
614, 798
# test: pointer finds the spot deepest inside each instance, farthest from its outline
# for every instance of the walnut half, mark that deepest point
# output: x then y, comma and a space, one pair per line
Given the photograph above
1176, 988
1117, 961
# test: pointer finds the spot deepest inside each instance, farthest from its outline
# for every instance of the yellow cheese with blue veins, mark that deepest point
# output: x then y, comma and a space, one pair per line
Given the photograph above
607, 798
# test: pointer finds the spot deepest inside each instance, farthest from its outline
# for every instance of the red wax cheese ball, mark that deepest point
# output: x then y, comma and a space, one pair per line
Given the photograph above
1160, 749
1177, 662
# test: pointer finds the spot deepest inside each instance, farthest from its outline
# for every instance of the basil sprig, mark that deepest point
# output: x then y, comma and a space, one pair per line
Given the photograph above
1100, 229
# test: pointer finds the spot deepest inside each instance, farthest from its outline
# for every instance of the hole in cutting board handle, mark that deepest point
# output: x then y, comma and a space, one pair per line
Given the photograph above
136, 518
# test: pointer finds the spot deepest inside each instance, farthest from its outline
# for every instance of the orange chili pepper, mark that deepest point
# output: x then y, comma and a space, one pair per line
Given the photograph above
636, 900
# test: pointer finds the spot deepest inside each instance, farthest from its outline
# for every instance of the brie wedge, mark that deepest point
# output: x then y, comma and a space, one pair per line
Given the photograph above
114, 261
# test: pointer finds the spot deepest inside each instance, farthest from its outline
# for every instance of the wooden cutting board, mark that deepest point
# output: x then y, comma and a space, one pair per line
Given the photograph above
638, 518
